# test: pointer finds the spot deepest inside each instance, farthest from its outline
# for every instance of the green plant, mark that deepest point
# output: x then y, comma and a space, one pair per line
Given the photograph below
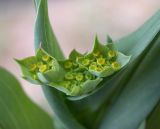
121, 98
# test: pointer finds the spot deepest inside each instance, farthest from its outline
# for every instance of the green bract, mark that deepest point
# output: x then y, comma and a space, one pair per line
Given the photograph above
78, 75
103, 60
41, 69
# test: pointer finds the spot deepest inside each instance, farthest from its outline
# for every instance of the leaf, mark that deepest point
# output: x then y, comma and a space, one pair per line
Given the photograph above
135, 43
45, 38
16, 109
153, 121
140, 95
143, 125
113, 86
109, 39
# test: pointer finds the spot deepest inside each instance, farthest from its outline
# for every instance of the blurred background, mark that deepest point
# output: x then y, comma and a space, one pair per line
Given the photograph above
75, 23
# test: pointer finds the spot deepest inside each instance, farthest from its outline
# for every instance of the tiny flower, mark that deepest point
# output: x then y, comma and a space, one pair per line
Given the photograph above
79, 77
101, 61
39, 64
43, 68
111, 53
96, 53
88, 76
115, 65
92, 67
85, 62
94, 63
68, 65
99, 69
69, 76
67, 84
106, 67
45, 58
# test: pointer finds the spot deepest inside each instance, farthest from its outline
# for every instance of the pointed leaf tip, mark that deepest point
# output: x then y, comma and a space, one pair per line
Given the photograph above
109, 39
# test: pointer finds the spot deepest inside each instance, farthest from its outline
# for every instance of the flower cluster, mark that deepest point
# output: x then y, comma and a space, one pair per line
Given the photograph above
79, 74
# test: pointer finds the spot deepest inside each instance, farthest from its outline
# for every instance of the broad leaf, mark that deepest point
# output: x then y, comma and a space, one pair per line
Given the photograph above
141, 90
16, 109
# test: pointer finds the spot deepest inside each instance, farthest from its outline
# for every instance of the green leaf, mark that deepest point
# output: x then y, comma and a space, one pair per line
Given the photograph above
114, 85
153, 121
109, 39
135, 43
143, 125
45, 38
141, 90
16, 109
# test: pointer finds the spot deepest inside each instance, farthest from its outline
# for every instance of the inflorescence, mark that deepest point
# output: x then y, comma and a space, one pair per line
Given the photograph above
77, 75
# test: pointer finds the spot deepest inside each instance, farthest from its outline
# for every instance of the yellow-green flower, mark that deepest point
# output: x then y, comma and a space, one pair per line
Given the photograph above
79, 77
66, 84
68, 64
99, 69
69, 76
115, 65
96, 53
92, 67
101, 61
45, 58
39, 64
85, 62
111, 53
43, 68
